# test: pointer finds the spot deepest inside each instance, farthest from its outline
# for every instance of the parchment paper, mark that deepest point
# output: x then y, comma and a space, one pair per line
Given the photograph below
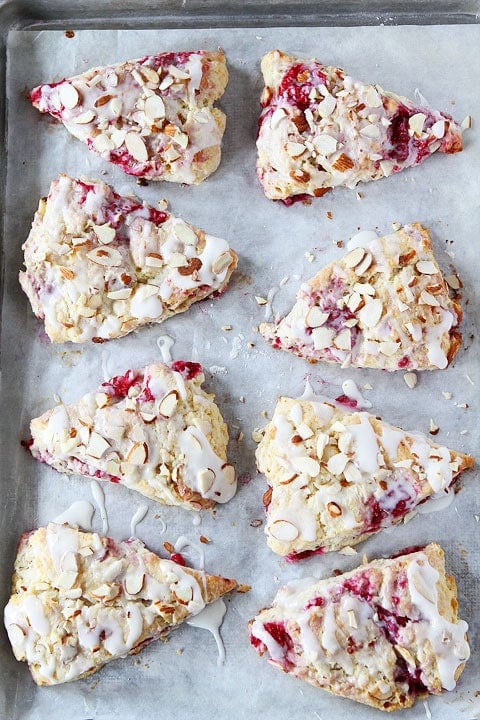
181, 679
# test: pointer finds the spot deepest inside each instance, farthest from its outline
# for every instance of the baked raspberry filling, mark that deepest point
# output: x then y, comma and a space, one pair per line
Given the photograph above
188, 370
297, 84
296, 556
119, 386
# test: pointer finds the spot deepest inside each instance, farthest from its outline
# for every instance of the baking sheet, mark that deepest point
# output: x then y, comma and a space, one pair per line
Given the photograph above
181, 679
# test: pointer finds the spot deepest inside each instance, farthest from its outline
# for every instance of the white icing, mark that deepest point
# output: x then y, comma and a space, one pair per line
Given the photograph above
99, 497
79, 514
165, 344
210, 618
137, 518
351, 390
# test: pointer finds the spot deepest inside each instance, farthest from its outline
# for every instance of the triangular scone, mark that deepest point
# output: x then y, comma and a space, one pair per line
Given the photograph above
320, 129
154, 430
80, 600
384, 634
99, 265
336, 477
153, 117
383, 305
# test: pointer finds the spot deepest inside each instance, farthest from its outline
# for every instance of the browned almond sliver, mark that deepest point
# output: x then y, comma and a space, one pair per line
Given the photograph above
138, 454
193, 265
343, 163
102, 100
168, 404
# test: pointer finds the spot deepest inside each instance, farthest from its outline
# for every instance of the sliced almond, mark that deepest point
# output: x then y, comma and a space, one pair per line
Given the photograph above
333, 509
466, 123
373, 98
105, 233
416, 123
351, 473
121, 294
305, 431
102, 100
322, 442
221, 263
154, 260
421, 586
371, 313
336, 463
352, 620
168, 404
343, 341
354, 301
406, 655
183, 593
150, 74
295, 149
103, 143
276, 118
283, 530
370, 131
387, 167
177, 73
427, 299
66, 272
325, 144
177, 260
116, 106
185, 233
364, 264
438, 129
16, 634
453, 282
154, 107
327, 106
138, 454
85, 118
388, 348
136, 147
410, 379
148, 417
68, 95
426, 267
315, 317
306, 465
206, 478
107, 256
354, 257
133, 583
97, 445
322, 337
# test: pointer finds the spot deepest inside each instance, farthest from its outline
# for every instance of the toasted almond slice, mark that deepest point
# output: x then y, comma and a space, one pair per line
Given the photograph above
121, 294
150, 74
453, 282
315, 317
352, 473
185, 233
283, 530
177, 73
103, 143
295, 149
154, 107
107, 256
352, 620
343, 341
406, 655
354, 257
370, 313
438, 129
410, 379
304, 431
154, 260
388, 348
206, 478
334, 510
138, 454
373, 98
325, 144
322, 337
466, 123
118, 136
426, 267
277, 116
68, 95
133, 583
168, 404
327, 106
416, 123
364, 265
66, 272
105, 233
427, 299
354, 301
148, 417
116, 106
387, 167
337, 463
136, 146
370, 131
306, 465
229, 473
177, 260
183, 593
97, 445
85, 118
166, 82
221, 263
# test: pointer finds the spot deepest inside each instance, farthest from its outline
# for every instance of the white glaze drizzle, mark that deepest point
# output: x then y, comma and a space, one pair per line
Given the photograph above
137, 518
79, 514
210, 618
99, 497
351, 390
183, 542
165, 344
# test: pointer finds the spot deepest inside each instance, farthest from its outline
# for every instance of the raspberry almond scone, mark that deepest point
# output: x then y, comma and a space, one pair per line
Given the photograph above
153, 430
80, 600
337, 476
153, 117
384, 634
99, 265
320, 129
385, 305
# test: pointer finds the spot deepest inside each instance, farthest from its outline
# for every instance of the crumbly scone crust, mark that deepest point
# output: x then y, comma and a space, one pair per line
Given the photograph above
80, 600
99, 265
154, 117
321, 128
383, 305
154, 430
336, 477
384, 634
